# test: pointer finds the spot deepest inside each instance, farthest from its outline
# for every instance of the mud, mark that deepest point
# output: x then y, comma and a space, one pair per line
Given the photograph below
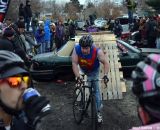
117, 114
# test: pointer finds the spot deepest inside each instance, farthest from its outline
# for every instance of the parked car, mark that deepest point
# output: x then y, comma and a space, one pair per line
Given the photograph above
53, 65
130, 56
100, 23
58, 65
80, 24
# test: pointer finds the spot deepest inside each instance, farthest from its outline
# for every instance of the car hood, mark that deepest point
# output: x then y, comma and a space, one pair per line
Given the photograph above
44, 56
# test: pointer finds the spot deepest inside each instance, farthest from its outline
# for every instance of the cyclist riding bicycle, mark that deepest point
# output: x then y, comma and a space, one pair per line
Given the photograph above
88, 58
146, 87
21, 107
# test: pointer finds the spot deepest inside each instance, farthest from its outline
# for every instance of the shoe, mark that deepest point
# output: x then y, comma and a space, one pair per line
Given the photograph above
99, 118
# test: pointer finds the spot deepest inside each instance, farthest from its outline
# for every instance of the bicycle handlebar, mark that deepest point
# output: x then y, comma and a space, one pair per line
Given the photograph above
93, 80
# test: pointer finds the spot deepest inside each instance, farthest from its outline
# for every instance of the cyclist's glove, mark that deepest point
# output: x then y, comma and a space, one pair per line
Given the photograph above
35, 109
79, 80
105, 79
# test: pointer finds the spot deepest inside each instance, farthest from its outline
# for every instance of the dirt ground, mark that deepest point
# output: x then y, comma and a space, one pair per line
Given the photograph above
117, 114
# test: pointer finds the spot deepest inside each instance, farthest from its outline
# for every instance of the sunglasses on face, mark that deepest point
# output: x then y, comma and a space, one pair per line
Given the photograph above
16, 81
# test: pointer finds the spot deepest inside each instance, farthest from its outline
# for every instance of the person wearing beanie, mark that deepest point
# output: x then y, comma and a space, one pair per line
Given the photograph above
6, 42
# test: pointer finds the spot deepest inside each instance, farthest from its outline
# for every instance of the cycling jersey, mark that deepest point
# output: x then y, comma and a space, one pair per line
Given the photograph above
90, 62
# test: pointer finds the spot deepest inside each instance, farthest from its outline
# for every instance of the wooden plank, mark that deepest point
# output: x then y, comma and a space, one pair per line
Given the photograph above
113, 78
117, 76
109, 87
123, 87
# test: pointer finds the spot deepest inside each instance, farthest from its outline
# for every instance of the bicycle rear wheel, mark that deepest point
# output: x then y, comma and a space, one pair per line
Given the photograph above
94, 113
78, 105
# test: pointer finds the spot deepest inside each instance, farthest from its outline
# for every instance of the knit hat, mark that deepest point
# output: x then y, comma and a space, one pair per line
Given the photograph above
8, 32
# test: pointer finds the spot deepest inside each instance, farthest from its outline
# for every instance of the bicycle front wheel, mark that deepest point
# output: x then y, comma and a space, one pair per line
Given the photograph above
78, 105
94, 113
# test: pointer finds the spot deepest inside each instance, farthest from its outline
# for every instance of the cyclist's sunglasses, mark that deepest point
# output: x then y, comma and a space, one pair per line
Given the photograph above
16, 81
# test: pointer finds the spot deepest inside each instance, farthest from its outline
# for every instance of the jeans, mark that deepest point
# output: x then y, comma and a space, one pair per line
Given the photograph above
47, 46
28, 20
130, 16
92, 76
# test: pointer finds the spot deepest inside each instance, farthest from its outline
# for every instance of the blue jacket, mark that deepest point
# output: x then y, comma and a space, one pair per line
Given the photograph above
47, 30
39, 37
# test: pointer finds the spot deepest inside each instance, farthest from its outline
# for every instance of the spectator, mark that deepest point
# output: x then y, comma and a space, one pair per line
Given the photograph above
7, 23
146, 87
72, 29
8, 43
151, 32
47, 35
34, 24
39, 35
131, 5
53, 30
117, 29
22, 11
28, 14
59, 35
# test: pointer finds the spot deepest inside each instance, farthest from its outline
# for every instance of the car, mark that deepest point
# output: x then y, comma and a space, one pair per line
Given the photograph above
80, 24
100, 23
130, 55
58, 65
53, 65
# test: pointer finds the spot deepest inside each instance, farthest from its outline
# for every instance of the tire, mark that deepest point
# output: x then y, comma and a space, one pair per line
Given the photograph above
78, 105
94, 113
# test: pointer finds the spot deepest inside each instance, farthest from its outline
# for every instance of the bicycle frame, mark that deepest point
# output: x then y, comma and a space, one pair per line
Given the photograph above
81, 106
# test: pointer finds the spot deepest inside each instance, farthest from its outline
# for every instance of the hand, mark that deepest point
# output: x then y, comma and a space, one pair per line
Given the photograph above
34, 109
105, 77
79, 80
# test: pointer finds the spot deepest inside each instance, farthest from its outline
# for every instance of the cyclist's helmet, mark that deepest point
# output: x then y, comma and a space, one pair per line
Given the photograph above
11, 64
86, 41
146, 85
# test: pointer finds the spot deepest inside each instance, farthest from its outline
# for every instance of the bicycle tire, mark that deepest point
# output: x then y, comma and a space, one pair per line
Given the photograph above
78, 105
94, 113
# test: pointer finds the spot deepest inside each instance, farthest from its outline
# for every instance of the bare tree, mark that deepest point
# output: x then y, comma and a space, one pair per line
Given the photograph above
12, 13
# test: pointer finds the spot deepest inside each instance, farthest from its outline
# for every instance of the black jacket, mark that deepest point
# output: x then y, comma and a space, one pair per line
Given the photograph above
28, 11
6, 44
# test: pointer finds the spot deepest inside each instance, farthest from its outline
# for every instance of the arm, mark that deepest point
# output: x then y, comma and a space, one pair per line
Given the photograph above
75, 64
102, 59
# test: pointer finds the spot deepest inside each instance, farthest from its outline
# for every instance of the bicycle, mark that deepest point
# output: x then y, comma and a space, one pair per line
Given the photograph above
81, 103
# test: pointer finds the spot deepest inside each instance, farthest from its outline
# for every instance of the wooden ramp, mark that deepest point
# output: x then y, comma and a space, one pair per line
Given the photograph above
116, 85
